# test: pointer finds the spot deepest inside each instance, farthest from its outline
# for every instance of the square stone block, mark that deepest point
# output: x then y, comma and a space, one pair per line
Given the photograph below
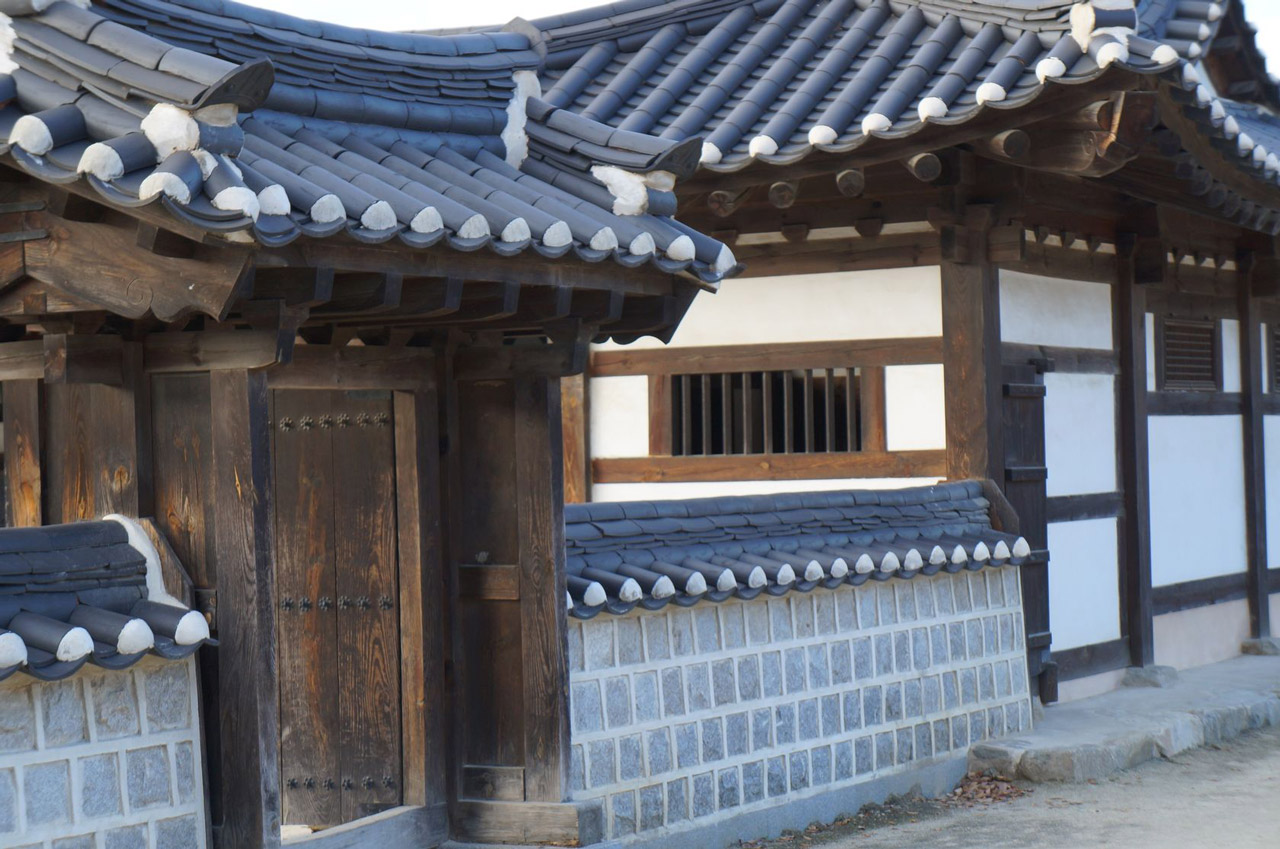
17, 717
100, 785
646, 693
820, 763
687, 754
47, 789
771, 677
63, 713
704, 795
780, 619
712, 740
824, 613
677, 800
130, 837
802, 611
843, 760
630, 642
655, 632
906, 752
682, 644
749, 677
872, 706
176, 833
785, 724
723, 686
707, 626
893, 703
938, 641
115, 705
672, 692
862, 659
630, 759
799, 771
597, 638
831, 715
699, 686
752, 782
8, 801
868, 610
757, 624
902, 651
617, 701
168, 690
761, 728
658, 743
884, 654
906, 602
852, 710
795, 664
737, 734
841, 663
777, 776
601, 763
819, 668
730, 791
863, 755
884, 750
735, 630
810, 722
651, 807
886, 604
587, 710
623, 806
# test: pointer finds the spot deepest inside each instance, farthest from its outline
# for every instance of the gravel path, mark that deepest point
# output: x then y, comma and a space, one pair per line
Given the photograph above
1218, 796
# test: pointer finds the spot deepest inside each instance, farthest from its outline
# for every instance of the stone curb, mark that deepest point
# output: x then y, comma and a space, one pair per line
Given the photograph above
1172, 734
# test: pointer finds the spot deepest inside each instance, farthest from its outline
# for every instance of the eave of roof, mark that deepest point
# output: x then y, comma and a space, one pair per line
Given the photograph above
774, 81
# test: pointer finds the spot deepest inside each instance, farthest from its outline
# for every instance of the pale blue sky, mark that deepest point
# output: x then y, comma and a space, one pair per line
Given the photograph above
415, 14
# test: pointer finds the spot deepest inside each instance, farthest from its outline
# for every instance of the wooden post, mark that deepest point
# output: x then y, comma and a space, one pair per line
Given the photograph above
23, 504
971, 357
244, 563
1140, 261
1250, 267
540, 488
577, 456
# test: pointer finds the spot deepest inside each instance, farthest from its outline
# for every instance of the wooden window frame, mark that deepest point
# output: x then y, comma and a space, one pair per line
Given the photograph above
1215, 327
870, 356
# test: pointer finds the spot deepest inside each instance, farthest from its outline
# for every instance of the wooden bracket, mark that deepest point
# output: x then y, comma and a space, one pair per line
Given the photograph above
1145, 254
556, 358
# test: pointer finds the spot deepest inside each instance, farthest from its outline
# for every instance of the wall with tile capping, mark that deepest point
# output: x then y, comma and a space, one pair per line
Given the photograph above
683, 716
103, 758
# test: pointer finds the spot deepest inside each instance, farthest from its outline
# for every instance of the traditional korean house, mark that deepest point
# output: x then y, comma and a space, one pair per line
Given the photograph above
283, 313
1029, 241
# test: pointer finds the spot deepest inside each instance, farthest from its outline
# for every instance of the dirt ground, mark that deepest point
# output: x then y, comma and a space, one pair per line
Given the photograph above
1219, 796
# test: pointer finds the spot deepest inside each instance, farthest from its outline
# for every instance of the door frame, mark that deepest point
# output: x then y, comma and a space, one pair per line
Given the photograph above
409, 374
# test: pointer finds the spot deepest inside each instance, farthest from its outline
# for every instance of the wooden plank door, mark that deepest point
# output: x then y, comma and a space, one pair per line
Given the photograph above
1024, 485
336, 578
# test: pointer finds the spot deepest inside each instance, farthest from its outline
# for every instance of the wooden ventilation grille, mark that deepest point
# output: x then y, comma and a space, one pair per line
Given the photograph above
1189, 355
794, 411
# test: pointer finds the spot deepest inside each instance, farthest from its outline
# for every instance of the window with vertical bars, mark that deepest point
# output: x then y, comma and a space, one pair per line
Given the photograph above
1189, 355
790, 411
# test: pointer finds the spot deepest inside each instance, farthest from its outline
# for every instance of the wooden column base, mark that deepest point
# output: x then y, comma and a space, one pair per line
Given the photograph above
561, 823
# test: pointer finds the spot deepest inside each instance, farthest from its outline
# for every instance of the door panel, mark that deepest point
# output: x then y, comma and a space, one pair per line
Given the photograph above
337, 582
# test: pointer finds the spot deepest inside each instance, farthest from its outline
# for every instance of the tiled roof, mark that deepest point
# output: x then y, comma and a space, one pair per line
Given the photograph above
620, 555
88, 592
266, 128
774, 80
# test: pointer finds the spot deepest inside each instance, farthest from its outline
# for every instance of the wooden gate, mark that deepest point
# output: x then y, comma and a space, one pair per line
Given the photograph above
338, 623
1025, 475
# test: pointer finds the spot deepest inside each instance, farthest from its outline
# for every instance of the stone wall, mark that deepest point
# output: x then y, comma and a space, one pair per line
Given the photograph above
686, 716
102, 760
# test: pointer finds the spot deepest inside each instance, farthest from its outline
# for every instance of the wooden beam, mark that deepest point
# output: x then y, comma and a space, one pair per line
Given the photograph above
297, 287
22, 360
540, 494
23, 505
724, 204
1129, 311
354, 367
851, 182
755, 467
782, 194
83, 359
1255, 473
1008, 145
925, 167
567, 824
248, 713
169, 353
718, 359
554, 359
163, 242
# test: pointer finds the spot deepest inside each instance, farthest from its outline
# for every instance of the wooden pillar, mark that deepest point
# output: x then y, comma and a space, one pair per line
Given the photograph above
23, 502
1141, 261
577, 433
971, 356
1252, 269
540, 482
246, 626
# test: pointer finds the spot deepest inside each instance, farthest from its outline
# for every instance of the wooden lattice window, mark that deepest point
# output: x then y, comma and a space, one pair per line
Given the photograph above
788, 411
1189, 356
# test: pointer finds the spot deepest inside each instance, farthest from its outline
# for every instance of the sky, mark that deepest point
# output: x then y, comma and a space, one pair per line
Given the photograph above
415, 14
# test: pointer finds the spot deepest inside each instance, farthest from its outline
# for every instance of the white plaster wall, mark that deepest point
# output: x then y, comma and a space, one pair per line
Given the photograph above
1202, 635
1197, 497
1080, 433
915, 408
619, 410
1084, 584
1271, 453
1230, 335
1275, 611
698, 489
1266, 365
1151, 352
1051, 311
882, 304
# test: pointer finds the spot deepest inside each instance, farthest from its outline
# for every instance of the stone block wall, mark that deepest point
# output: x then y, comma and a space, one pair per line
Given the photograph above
683, 716
102, 760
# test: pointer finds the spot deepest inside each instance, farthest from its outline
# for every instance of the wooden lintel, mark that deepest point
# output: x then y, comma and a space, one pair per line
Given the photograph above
556, 359
354, 367
166, 353
82, 359
22, 360
718, 359
756, 467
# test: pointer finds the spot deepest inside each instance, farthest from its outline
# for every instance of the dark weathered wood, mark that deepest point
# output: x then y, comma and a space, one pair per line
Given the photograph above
1076, 508
770, 467
402, 826
1129, 311
544, 639
661, 408
207, 351
567, 824
489, 581
573, 400
783, 194
325, 367
498, 783
738, 358
1092, 659
1061, 360
183, 470
1195, 403
90, 452
871, 404
422, 601
851, 182
82, 359
244, 564
971, 369
1187, 595
1252, 427
21, 361
177, 582
23, 483
307, 624
365, 542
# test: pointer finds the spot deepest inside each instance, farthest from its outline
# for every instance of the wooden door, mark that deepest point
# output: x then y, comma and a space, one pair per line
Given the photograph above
1025, 475
336, 579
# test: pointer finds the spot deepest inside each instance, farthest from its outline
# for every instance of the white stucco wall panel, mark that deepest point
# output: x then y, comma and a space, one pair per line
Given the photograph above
1049, 311
1080, 433
1197, 497
1231, 378
915, 408
619, 411
1084, 583
1202, 635
1151, 352
900, 302
1271, 437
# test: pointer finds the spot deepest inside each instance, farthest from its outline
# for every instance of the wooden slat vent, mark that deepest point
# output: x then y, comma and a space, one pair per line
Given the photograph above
790, 411
1189, 358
